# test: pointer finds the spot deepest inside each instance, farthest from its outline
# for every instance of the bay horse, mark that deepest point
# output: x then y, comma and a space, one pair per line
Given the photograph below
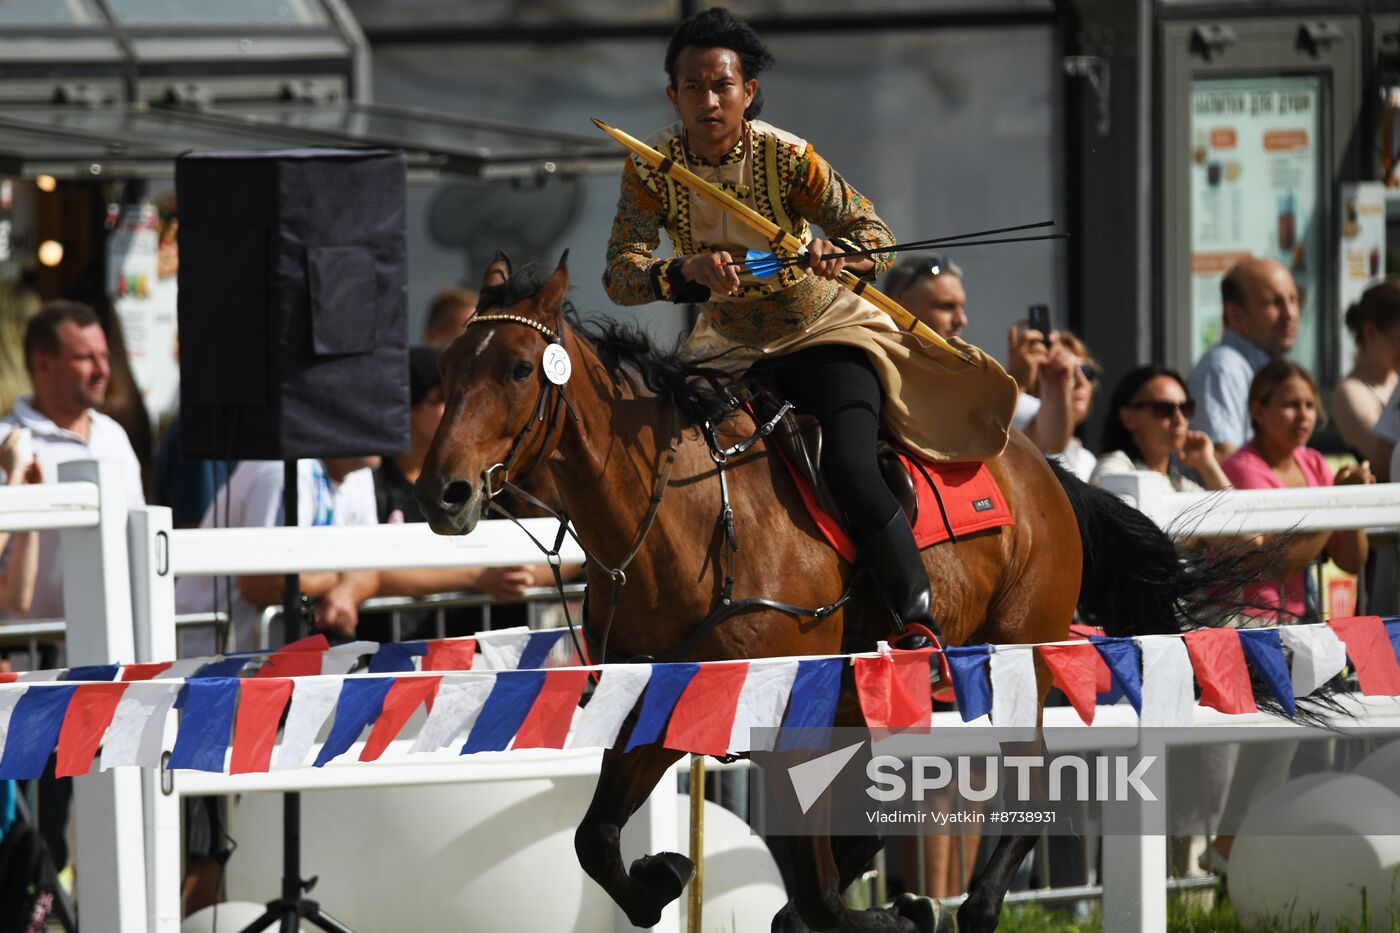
623, 441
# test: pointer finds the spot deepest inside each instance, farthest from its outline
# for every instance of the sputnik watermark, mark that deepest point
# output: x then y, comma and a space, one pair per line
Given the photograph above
1104, 778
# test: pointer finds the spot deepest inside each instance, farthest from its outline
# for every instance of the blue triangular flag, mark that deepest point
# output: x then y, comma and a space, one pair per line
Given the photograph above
396, 657
206, 724
968, 664
668, 682
360, 702
1124, 661
538, 648
1264, 648
224, 667
92, 672
812, 705
504, 710
34, 726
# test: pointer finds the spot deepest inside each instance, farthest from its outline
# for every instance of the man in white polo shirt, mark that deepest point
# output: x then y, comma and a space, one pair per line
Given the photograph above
65, 352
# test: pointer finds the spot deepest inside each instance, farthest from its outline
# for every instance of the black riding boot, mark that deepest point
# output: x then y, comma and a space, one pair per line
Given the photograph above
900, 576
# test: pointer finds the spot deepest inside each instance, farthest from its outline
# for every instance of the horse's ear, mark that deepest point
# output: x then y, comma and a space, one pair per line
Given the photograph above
551, 297
497, 271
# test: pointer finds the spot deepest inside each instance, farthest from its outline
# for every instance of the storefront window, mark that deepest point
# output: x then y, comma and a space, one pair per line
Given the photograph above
1257, 161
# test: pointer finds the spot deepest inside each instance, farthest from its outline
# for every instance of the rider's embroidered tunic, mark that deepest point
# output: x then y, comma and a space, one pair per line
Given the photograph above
783, 178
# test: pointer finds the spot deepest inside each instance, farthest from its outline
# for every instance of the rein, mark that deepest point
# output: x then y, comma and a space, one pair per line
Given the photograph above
727, 606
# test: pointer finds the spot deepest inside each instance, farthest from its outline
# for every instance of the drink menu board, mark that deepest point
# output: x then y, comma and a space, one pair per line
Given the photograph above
1361, 260
1255, 179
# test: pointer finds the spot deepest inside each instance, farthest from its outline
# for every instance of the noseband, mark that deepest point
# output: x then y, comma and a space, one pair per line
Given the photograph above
497, 476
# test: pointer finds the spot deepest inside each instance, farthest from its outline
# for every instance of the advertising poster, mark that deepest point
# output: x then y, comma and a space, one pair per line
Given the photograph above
142, 283
1361, 260
1255, 175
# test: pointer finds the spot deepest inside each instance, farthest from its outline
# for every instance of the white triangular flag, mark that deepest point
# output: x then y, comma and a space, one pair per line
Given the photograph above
1015, 702
37, 677
762, 701
137, 731
1318, 655
1168, 685
313, 698
501, 650
597, 724
183, 668
457, 704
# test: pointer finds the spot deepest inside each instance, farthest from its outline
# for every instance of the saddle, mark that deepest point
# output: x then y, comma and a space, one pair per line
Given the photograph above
799, 441
942, 501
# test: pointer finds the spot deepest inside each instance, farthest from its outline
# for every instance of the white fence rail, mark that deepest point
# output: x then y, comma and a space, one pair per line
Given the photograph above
119, 570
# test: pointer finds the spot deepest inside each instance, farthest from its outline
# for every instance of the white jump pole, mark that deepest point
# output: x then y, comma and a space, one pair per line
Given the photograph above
97, 608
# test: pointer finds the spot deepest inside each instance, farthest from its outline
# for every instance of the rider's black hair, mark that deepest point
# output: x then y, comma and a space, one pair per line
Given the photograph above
717, 28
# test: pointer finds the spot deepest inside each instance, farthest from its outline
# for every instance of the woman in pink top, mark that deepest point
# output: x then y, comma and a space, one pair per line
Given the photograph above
1283, 410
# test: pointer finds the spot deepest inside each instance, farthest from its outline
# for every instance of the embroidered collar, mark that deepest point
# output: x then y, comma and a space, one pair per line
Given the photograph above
732, 157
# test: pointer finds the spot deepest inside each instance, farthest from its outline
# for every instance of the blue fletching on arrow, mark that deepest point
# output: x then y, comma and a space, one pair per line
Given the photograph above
762, 264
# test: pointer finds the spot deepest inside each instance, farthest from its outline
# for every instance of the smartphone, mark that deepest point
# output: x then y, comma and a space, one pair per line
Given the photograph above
1038, 318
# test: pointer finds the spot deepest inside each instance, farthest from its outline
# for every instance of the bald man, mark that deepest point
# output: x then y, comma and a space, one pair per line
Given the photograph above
1261, 324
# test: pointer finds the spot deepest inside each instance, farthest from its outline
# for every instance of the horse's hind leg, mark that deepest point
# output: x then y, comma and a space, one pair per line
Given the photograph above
817, 897
653, 881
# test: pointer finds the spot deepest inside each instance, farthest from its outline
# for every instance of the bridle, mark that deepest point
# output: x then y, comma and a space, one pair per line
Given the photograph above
548, 391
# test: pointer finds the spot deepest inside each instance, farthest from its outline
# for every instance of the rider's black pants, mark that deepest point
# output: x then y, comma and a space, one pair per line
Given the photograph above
838, 386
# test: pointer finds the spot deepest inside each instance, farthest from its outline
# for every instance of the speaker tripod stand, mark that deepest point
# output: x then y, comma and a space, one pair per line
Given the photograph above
292, 907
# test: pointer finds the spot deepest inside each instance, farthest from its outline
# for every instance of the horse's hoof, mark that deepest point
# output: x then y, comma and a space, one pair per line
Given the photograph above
662, 877
927, 915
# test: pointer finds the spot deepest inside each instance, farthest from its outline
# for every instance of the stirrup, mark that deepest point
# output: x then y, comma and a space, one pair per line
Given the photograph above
914, 637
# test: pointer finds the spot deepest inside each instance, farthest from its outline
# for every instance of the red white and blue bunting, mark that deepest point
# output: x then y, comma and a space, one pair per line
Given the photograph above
495, 691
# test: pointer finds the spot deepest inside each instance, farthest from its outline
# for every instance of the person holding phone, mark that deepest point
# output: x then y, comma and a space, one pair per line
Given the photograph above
931, 286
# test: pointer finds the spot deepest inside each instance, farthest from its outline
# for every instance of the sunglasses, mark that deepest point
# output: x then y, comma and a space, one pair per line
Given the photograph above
1090, 372
913, 268
1164, 409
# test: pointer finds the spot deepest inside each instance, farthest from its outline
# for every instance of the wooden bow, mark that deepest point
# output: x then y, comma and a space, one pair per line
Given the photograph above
777, 237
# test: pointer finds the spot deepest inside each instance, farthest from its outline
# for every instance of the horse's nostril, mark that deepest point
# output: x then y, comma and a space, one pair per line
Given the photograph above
456, 493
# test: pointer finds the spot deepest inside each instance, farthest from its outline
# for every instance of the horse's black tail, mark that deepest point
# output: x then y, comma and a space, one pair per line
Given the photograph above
1136, 582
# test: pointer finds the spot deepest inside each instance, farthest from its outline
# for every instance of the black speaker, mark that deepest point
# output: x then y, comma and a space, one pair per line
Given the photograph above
293, 307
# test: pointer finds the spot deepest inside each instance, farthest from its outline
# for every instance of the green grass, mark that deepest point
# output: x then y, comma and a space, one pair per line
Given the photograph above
1187, 913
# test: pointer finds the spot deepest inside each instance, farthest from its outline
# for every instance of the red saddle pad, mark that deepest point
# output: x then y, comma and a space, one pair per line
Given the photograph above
964, 498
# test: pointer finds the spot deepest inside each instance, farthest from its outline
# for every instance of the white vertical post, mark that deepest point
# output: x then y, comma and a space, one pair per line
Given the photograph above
153, 617
107, 806
653, 828
1135, 856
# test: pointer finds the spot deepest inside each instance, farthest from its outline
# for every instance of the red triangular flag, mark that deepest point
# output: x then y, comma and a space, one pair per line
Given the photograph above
450, 654
704, 715
302, 658
1370, 651
894, 690
1221, 671
132, 672
89, 714
260, 706
402, 700
1076, 673
547, 723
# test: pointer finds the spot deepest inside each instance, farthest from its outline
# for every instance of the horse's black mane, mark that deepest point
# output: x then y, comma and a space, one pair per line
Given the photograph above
699, 391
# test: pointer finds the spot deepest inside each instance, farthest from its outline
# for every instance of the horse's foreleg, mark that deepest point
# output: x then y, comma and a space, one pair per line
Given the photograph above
653, 881
982, 909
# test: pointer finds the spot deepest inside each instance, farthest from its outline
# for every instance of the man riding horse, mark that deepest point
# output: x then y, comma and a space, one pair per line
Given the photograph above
824, 348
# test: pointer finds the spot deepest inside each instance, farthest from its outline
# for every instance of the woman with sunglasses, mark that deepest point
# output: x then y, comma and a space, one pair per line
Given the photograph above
1146, 429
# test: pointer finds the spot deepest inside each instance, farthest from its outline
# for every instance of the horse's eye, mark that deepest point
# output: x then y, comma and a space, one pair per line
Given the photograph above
522, 371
